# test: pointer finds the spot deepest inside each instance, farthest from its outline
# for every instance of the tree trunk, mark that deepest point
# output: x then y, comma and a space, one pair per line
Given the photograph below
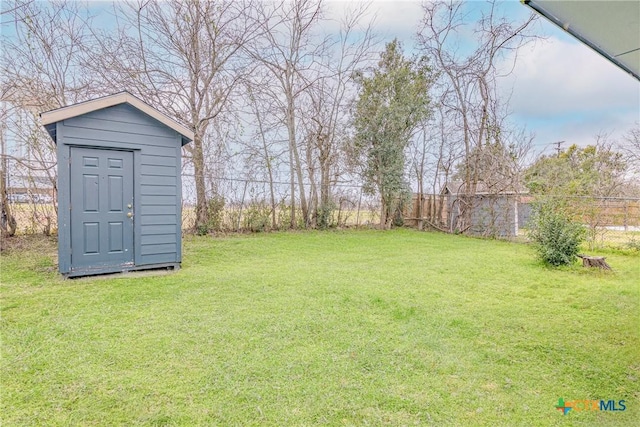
383, 214
313, 190
324, 158
7, 221
594, 261
202, 213
420, 210
272, 196
324, 186
293, 146
292, 178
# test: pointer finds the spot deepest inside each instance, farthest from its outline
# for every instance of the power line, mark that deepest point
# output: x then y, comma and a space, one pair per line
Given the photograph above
558, 146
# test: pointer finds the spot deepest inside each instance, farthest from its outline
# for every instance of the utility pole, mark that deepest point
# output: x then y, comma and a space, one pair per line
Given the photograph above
558, 148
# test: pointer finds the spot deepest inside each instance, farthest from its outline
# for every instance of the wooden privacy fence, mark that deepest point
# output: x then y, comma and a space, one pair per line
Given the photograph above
617, 212
609, 212
427, 210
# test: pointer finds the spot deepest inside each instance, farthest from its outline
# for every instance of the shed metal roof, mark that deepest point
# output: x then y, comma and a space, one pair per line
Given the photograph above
459, 187
74, 110
611, 28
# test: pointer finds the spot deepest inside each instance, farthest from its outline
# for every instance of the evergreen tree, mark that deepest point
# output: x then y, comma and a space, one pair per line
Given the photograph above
391, 103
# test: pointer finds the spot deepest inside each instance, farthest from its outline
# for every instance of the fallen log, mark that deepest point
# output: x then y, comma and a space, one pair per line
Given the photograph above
594, 261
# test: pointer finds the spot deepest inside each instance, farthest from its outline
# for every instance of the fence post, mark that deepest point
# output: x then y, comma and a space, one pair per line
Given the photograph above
244, 191
626, 215
515, 216
358, 213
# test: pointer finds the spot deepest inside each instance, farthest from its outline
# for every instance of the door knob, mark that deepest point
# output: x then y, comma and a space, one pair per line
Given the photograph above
129, 214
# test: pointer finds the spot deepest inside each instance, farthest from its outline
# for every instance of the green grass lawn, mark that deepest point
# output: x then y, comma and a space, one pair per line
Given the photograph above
338, 328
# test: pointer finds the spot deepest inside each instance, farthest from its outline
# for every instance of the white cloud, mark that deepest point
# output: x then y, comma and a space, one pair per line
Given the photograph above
391, 19
562, 90
558, 77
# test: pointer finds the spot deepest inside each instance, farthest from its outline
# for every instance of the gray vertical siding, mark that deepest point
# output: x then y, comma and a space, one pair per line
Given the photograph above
157, 183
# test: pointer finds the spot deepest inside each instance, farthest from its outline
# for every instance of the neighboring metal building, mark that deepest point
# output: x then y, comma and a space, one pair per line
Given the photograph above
119, 185
493, 213
29, 188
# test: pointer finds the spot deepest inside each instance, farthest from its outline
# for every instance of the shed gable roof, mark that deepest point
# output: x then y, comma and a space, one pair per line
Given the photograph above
59, 114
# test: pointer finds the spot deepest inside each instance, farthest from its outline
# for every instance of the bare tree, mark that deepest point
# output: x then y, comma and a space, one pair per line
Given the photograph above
265, 144
631, 147
42, 58
287, 50
186, 59
330, 91
41, 69
433, 154
471, 79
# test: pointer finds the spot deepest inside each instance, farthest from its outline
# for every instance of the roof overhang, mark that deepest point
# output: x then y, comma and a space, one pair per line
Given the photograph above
59, 114
611, 28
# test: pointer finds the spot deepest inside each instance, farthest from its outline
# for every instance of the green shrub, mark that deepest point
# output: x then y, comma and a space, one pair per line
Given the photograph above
324, 216
633, 244
257, 217
556, 237
202, 230
216, 213
284, 217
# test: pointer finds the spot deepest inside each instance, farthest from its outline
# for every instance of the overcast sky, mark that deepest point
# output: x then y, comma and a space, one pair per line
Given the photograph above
561, 90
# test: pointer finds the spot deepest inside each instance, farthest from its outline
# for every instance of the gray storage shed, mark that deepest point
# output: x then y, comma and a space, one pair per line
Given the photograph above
119, 185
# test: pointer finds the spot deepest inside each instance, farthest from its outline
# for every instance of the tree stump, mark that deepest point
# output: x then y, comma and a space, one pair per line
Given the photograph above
594, 261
